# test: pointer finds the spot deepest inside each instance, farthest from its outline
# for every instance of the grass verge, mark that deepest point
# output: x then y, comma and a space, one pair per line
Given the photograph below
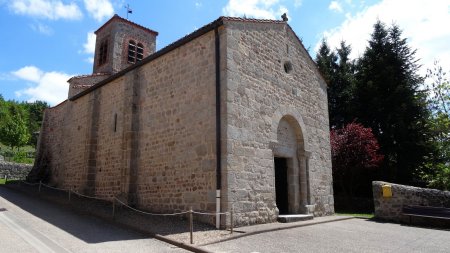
358, 215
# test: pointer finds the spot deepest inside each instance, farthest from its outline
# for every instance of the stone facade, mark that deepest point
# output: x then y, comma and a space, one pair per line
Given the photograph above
271, 113
390, 208
149, 133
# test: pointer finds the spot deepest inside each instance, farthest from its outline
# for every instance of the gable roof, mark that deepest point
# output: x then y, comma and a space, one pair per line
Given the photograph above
117, 18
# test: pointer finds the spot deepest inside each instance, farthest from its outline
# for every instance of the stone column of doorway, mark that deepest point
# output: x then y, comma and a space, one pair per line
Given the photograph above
304, 181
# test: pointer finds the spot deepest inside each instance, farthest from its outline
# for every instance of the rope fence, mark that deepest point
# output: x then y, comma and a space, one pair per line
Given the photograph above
155, 214
190, 212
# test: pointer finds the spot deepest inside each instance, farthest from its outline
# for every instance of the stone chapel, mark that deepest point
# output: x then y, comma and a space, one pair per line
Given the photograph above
231, 116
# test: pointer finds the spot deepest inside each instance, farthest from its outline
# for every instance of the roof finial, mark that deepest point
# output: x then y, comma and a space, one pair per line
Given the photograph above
129, 10
284, 17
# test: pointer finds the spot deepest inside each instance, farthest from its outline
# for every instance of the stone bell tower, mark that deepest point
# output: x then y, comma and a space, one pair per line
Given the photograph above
119, 44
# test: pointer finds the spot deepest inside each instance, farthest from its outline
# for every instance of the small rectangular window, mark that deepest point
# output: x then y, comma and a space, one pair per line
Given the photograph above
115, 122
103, 52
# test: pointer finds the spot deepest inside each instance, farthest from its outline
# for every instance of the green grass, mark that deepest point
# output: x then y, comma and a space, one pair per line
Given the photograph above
8, 154
24, 148
2, 181
358, 215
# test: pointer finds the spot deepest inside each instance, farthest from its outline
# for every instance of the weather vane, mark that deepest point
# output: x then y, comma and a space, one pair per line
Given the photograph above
129, 10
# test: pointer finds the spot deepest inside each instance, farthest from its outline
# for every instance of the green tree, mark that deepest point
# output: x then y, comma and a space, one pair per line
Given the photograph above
326, 62
436, 172
338, 71
14, 131
3, 109
35, 112
388, 100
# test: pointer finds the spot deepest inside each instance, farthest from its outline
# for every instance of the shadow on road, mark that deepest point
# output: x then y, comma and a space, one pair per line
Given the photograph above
93, 230
419, 222
88, 229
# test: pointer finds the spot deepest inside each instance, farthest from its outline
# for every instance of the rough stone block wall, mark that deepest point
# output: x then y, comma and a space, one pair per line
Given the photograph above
176, 158
258, 93
51, 141
109, 156
148, 136
391, 208
63, 143
14, 170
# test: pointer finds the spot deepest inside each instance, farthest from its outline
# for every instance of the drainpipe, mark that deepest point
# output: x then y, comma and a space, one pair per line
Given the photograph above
218, 129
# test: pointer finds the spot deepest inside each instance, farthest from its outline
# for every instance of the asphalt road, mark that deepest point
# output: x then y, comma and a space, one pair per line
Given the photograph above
30, 225
355, 235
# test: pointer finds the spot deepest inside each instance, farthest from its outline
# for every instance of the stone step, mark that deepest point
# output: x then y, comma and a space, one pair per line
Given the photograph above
285, 218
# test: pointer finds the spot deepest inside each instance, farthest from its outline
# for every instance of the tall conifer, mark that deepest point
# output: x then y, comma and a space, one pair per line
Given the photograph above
388, 100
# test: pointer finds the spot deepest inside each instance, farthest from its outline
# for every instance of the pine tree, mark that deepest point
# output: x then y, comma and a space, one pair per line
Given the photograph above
387, 99
326, 62
338, 71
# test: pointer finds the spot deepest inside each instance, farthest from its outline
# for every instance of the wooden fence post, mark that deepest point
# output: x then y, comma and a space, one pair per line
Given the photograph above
231, 221
191, 225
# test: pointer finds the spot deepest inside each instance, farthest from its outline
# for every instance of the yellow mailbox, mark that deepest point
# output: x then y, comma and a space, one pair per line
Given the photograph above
387, 191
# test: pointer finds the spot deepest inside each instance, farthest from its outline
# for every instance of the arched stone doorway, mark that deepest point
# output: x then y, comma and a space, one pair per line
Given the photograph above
290, 167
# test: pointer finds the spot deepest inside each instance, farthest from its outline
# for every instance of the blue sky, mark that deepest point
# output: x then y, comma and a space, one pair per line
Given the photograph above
45, 42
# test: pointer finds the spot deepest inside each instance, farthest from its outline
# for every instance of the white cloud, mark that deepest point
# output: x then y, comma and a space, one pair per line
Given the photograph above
29, 73
335, 6
50, 9
89, 46
423, 24
6, 77
267, 9
298, 3
51, 87
89, 60
99, 9
41, 28
198, 4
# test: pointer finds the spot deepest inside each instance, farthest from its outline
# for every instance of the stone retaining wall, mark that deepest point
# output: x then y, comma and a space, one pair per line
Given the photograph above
14, 170
390, 208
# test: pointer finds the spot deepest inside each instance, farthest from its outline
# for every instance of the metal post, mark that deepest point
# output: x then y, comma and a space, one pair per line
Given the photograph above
69, 194
231, 221
40, 183
191, 225
6, 179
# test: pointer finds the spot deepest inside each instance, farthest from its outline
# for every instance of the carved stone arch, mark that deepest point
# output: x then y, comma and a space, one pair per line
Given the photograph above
295, 118
289, 147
